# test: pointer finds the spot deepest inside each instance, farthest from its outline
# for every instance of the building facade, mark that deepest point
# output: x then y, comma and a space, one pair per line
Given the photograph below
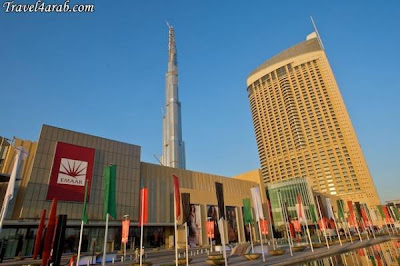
44, 172
302, 126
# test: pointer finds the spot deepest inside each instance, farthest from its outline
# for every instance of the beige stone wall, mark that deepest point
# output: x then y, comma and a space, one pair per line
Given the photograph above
24, 175
201, 187
125, 156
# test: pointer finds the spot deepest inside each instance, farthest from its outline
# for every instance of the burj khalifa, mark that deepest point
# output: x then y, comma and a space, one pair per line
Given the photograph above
173, 152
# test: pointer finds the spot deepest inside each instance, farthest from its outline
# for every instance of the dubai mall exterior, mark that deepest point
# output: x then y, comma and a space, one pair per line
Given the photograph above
62, 160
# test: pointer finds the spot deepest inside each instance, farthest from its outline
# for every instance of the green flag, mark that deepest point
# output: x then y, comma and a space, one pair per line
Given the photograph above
382, 213
340, 209
110, 174
247, 211
396, 213
312, 211
84, 211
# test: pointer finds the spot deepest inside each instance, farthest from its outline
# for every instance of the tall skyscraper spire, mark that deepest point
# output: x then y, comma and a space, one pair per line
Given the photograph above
173, 153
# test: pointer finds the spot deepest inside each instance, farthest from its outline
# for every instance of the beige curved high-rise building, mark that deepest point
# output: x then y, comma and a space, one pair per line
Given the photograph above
302, 126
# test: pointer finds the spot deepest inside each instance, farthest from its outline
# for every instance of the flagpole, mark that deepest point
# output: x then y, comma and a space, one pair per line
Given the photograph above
187, 249
80, 244
141, 231
176, 231
9, 195
323, 223
261, 240
286, 225
251, 239
222, 235
394, 216
270, 222
302, 213
105, 242
371, 227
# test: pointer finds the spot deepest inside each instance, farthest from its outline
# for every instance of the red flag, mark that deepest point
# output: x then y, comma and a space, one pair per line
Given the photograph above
351, 213
125, 231
291, 230
264, 226
39, 235
48, 239
323, 223
360, 252
210, 229
269, 210
300, 212
297, 226
365, 217
387, 215
177, 197
143, 203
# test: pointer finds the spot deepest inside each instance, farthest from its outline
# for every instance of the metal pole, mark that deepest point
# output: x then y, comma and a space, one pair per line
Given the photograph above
176, 232
105, 242
80, 244
261, 240
323, 223
141, 232
186, 242
286, 225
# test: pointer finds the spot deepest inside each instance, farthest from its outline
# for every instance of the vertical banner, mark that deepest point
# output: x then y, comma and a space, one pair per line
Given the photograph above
264, 227
144, 195
194, 225
210, 229
212, 216
232, 224
220, 198
177, 197
72, 168
125, 231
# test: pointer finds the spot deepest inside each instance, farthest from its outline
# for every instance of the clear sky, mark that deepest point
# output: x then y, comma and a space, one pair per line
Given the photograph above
104, 73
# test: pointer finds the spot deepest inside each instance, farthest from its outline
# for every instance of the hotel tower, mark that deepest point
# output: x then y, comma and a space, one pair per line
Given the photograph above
302, 126
173, 152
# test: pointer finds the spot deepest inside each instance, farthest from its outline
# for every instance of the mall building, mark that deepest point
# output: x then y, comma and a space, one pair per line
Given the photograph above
58, 153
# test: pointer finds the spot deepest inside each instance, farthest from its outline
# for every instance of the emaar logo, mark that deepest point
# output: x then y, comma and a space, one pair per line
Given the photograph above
72, 172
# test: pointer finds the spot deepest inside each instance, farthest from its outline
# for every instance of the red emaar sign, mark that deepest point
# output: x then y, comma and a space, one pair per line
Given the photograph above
72, 166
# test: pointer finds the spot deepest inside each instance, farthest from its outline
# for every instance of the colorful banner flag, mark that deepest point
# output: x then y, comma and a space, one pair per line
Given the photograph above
144, 205
396, 212
48, 238
323, 223
186, 207
340, 205
321, 206
381, 212
110, 184
220, 198
351, 212
125, 231
365, 217
256, 196
264, 227
269, 210
210, 229
300, 209
313, 214
248, 219
357, 210
387, 214
297, 226
84, 210
329, 209
177, 197
39, 235
19, 157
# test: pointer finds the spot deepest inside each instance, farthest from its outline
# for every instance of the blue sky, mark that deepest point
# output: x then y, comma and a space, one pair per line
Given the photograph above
103, 73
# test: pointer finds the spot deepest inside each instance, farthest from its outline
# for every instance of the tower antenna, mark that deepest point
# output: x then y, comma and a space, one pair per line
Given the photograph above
316, 31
